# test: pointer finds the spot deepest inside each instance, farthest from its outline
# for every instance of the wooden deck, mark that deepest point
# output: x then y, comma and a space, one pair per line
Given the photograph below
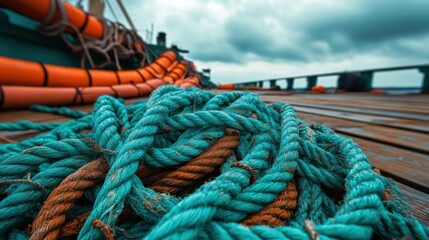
393, 131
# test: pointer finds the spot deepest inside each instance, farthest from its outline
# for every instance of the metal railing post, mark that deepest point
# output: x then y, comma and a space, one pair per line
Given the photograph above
425, 84
290, 84
311, 82
367, 77
364, 79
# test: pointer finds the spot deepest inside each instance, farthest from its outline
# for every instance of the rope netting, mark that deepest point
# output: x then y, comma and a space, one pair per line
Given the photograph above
190, 164
117, 43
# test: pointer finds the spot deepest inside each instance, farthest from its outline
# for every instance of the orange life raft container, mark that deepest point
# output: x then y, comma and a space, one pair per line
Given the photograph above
26, 73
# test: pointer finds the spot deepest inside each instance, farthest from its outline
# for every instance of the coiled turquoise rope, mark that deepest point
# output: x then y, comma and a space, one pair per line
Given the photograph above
172, 128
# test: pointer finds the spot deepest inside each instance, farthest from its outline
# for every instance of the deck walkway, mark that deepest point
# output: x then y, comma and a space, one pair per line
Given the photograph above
392, 130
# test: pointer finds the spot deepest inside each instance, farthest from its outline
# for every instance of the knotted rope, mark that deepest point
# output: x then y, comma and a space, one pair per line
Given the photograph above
117, 41
194, 165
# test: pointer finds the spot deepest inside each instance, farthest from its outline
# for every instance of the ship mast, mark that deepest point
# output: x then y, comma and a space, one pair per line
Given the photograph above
96, 7
124, 11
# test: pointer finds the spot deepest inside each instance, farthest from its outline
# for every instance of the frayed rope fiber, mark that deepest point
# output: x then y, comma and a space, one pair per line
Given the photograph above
190, 164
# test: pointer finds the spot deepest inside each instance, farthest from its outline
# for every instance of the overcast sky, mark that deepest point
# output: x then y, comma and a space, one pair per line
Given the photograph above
243, 40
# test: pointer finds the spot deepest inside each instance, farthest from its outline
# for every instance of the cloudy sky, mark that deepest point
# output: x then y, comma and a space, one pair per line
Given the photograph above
243, 40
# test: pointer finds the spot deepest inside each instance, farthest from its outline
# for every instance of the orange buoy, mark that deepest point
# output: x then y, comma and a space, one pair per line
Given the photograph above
176, 73
227, 86
378, 91
318, 89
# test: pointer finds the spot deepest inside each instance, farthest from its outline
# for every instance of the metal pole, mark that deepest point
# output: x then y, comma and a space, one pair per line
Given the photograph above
311, 82
367, 77
96, 7
425, 84
126, 15
290, 84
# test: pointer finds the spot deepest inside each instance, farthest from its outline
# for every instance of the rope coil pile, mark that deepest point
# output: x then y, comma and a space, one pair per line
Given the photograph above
189, 164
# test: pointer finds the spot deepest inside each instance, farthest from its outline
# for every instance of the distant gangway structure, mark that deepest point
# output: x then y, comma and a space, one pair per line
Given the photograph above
360, 80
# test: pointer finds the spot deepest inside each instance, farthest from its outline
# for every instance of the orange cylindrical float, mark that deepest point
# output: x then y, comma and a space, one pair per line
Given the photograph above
227, 86
130, 76
25, 73
176, 73
194, 79
318, 89
18, 72
22, 97
146, 74
378, 91
178, 82
190, 80
103, 78
87, 24
58, 76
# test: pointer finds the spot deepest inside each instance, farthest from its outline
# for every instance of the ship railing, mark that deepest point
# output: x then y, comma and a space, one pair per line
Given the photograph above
365, 75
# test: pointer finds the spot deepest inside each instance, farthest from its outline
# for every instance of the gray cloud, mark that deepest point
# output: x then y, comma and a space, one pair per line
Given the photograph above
295, 33
372, 24
321, 32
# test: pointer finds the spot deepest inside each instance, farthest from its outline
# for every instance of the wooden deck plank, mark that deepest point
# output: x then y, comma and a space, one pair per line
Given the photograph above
415, 141
363, 110
418, 201
5, 140
413, 125
370, 104
392, 106
19, 136
402, 99
12, 116
405, 166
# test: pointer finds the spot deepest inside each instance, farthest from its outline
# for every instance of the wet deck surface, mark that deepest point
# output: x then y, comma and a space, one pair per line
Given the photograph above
393, 130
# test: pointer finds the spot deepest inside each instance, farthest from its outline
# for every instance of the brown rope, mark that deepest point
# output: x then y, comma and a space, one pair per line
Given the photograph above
277, 212
146, 174
149, 175
197, 170
170, 180
250, 170
72, 228
53, 213
104, 228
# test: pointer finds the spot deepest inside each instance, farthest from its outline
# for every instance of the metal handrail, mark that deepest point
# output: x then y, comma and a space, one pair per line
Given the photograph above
366, 75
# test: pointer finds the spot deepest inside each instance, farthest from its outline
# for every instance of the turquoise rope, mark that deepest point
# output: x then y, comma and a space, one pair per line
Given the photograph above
27, 125
63, 111
171, 129
22, 200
